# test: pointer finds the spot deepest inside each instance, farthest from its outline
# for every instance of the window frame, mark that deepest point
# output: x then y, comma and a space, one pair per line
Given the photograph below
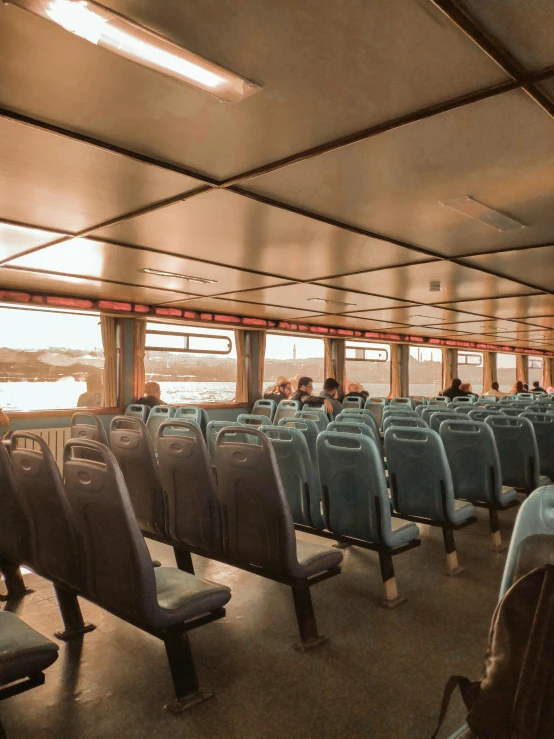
424, 347
387, 344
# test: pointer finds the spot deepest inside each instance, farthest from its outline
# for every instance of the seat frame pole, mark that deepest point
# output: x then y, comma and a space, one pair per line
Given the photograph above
183, 558
307, 626
71, 615
183, 674
452, 566
14, 581
392, 599
497, 545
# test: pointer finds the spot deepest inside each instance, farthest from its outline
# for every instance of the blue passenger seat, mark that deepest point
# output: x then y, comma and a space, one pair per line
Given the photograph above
158, 415
353, 401
88, 426
543, 426
286, 409
265, 408
310, 430
319, 417
199, 415
140, 411
212, 430
249, 419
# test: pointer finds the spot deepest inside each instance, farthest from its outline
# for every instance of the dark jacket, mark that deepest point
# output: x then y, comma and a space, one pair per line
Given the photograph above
306, 398
452, 393
277, 397
150, 401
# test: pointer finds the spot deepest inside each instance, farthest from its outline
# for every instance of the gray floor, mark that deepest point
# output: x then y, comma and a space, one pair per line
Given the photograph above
380, 675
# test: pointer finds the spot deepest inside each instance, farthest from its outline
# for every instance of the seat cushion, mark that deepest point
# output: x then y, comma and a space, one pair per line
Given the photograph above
182, 597
544, 481
462, 511
23, 651
402, 532
507, 495
314, 558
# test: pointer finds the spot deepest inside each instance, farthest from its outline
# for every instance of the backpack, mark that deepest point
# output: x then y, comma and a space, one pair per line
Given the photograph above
515, 697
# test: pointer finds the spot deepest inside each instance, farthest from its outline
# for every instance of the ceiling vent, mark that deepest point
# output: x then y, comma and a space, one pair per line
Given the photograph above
482, 213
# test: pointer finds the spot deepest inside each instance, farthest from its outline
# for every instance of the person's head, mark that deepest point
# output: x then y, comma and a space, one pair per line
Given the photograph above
306, 384
152, 389
352, 388
280, 380
525, 386
456, 382
465, 387
331, 386
519, 387
285, 388
495, 386
536, 384
94, 383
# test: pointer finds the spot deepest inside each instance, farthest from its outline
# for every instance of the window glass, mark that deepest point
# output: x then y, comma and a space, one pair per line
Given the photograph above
535, 370
369, 365
289, 356
425, 371
506, 371
191, 364
470, 369
47, 359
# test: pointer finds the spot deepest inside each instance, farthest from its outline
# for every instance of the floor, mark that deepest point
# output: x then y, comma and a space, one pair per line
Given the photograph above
380, 675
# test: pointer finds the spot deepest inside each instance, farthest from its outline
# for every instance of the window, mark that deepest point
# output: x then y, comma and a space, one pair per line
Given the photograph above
535, 370
470, 369
47, 359
191, 364
288, 356
506, 371
369, 365
425, 369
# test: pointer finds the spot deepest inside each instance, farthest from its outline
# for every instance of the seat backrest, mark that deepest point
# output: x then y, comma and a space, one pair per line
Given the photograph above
362, 413
508, 410
402, 401
533, 531
404, 421
440, 416
199, 415
257, 521
308, 427
54, 552
265, 408
298, 474
419, 400
438, 400
363, 417
487, 399
88, 426
462, 407
543, 426
193, 511
479, 414
375, 408
419, 475
14, 529
377, 399
518, 452
427, 412
507, 398
354, 489
462, 399
541, 405
138, 410
319, 417
118, 570
286, 409
526, 396
132, 447
474, 463
249, 419
158, 415
352, 427
399, 410
353, 401
213, 429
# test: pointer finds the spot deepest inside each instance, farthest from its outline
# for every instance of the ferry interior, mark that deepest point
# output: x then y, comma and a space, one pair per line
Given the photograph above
211, 195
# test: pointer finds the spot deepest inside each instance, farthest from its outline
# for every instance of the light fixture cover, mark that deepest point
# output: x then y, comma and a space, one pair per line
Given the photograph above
482, 213
328, 302
110, 30
189, 278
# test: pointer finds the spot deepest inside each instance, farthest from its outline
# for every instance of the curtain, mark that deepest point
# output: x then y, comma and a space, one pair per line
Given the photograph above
140, 343
522, 368
109, 342
329, 369
241, 391
335, 361
489, 370
449, 366
261, 336
399, 356
547, 373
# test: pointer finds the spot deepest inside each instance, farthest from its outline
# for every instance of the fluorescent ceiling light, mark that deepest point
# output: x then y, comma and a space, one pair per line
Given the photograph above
108, 29
161, 273
328, 302
482, 213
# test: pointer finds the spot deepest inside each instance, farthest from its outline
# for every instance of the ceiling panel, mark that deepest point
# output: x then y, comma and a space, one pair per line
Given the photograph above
52, 181
513, 307
95, 259
324, 72
15, 239
530, 265
239, 308
11, 279
413, 283
354, 322
545, 321
418, 315
394, 184
225, 227
522, 27
306, 295
486, 325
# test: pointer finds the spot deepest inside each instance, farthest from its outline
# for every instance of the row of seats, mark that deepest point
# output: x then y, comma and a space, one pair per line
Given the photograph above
81, 534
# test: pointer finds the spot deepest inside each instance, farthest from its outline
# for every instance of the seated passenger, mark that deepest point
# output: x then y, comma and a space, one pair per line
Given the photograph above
93, 395
357, 391
495, 390
281, 391
304, 394
455, 390
525, 387
271, 388
517, 387
151, 397
537, 387
330, 392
